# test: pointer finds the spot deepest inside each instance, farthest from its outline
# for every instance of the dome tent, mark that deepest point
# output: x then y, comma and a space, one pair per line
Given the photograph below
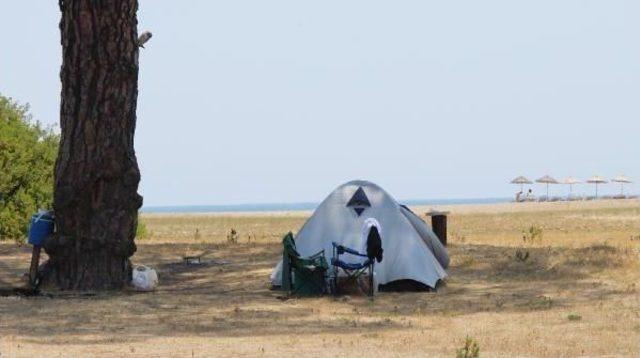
411, 249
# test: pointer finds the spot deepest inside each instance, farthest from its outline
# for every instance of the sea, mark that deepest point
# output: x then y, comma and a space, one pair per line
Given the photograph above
186, 209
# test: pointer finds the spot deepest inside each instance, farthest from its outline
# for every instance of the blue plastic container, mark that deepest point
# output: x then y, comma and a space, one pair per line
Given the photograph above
40, 228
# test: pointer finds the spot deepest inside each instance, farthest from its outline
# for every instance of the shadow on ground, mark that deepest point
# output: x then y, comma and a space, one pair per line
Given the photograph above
230, 295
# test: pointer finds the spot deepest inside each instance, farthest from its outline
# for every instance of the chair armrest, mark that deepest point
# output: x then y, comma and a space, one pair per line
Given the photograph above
349, 265
342, 249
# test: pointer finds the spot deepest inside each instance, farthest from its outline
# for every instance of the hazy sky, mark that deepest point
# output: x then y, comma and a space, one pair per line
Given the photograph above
281, 101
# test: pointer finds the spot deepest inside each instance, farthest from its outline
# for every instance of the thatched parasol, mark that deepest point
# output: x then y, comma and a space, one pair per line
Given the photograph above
547, 180
622, 179
522, 181
596, 179
570, 181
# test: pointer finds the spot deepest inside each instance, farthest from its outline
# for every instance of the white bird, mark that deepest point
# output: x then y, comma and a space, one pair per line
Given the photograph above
143, 38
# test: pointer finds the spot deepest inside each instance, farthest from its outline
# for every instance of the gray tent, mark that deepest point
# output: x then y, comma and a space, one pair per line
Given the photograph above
411, 249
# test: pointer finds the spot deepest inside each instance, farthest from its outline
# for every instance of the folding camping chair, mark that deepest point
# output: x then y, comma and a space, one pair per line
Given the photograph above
353, 271
302, 275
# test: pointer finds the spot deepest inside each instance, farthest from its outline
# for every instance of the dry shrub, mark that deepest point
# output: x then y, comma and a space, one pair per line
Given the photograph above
599, 256
510, 267
232, 236
471, 349
530, 236
464, 260
541, 303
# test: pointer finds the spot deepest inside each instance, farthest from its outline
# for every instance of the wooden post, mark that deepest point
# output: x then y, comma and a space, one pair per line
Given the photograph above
439, 224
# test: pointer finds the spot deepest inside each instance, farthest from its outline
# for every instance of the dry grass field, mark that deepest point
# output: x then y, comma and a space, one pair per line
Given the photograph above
577, 294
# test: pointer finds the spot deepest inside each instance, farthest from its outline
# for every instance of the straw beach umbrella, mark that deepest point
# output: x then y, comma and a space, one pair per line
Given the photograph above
596, 179
570, 181
547, 180
622, 179
522, 181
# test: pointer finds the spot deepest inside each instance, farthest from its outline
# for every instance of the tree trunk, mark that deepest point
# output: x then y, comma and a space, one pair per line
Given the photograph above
96, 177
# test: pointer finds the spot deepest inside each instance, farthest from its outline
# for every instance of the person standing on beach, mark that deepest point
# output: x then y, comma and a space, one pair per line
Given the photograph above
530, 194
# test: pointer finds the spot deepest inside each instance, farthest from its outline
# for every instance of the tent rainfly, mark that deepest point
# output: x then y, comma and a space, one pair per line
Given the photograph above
596, 179
411, 250
547, 180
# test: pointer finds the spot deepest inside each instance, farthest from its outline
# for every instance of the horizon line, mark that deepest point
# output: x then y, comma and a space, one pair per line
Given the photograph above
303, 205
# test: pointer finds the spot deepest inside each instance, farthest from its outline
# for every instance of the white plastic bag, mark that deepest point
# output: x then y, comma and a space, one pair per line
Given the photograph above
144, 278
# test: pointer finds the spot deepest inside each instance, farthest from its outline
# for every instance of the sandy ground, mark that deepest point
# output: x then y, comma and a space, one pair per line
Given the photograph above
577, 294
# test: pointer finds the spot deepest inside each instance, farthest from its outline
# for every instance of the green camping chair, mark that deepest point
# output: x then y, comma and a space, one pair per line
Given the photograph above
309, 273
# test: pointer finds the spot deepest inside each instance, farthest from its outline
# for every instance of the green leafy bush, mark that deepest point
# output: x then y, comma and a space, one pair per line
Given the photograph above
27, 158
141, 230
574, 317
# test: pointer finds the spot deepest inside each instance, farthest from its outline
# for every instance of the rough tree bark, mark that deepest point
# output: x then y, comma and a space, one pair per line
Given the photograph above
96, 176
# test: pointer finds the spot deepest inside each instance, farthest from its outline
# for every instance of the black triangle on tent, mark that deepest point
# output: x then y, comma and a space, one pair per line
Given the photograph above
359, 210
359, 198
